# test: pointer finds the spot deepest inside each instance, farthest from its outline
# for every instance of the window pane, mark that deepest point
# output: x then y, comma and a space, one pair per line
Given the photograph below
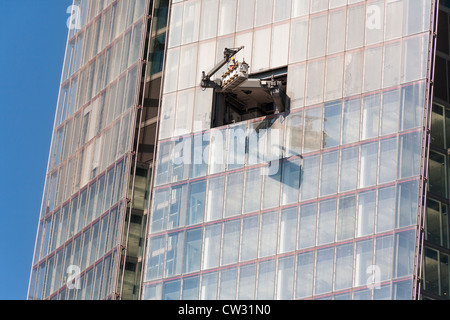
370, 116
174, 254
288, 230
363, 260
304, 278
192, 250
252, 193
209, 286
247, 277
249, 242
332, 125
285, 278
271, 189
290, 181
368, 165
234, 194
409, 154
215, 198
266, 280
211, 243
386, 209
329, 173
177, 203
349, 169
350, 121
230, 242
268, 236
346, 218
309, 178
390, 112
383, 257
190, 288
344, 267
365, 213
388, 160
307, 226
196, 206
227, 286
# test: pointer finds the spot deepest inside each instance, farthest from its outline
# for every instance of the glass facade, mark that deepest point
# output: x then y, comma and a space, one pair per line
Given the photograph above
322, 201
83, 226
343, 194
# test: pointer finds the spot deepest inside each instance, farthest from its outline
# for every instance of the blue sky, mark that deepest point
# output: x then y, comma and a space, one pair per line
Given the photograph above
33, 38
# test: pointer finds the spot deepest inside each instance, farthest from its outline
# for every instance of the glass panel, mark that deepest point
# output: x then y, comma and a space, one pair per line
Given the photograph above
326, 222
192, 250
370, 116
409, 154
230, 242
208, 24
290, 183
174, 253
350, 121
196, 206
346, 218
233, 198
266, 280
344, 267
245, 14
348, 169
285, 278
390, 112
307, 226
155, 260
160, 210
383, 258
288, 230
329, 173
333, 78
268, 236
177, 209
304, 276
249, 241
313, 130
407, 203
227, 286
336, 31
332, 125
388, 160
171, 290
215, 198
252, 193
299, 38
247, 277
368, 165
208, 290
211, 242
386, 209
365, 213
190, 288
227, 17
324, 271
271, 188
363, 260
317, 36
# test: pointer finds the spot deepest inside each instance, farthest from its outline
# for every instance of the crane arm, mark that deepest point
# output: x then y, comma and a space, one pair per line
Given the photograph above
228, 54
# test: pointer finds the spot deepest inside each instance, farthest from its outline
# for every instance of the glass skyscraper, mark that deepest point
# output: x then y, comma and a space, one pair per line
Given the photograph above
332, 186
